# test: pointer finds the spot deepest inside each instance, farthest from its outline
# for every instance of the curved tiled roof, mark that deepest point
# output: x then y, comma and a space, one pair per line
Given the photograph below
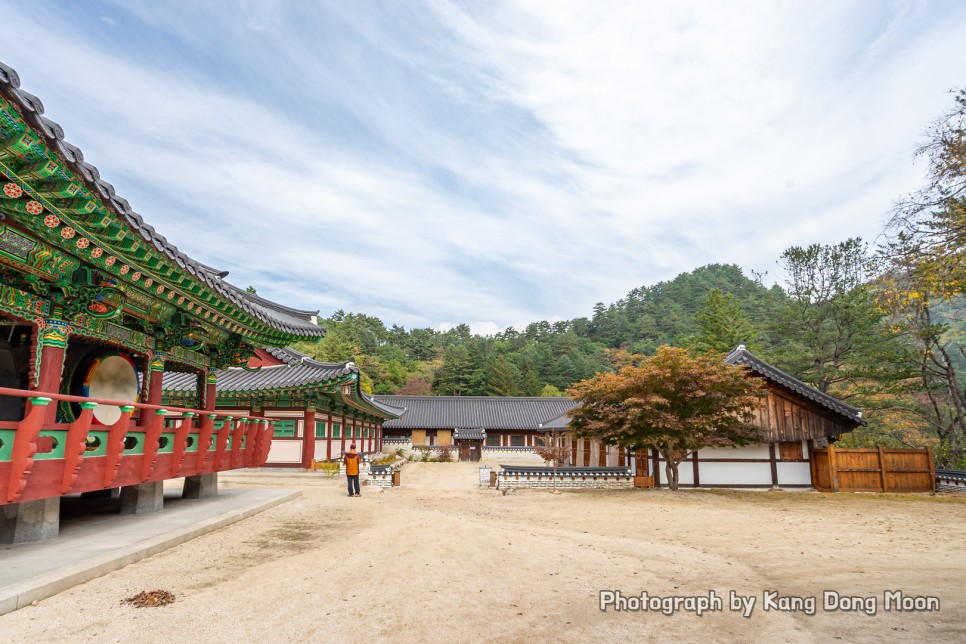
741, 356
561, 421
392, 410
469, 434
543, 470
291, 321
485, 412
298, 371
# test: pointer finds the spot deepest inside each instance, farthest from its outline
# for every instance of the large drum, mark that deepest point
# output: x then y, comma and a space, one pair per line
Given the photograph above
110, 377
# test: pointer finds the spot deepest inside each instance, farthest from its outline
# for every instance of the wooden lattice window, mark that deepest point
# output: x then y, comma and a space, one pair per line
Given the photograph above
285, 428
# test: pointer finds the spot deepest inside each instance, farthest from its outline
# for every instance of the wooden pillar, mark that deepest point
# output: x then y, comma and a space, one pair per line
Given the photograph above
328, 437
882, 470
155, 378
51, 344
211, 391
656, 459
774, 464
694, 467
833, 474
308, 437
343, 434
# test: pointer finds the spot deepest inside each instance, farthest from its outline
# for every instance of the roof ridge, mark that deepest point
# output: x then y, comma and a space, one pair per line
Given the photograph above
32, 114
741, 356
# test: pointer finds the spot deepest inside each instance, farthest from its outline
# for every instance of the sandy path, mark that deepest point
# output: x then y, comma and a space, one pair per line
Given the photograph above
442, 558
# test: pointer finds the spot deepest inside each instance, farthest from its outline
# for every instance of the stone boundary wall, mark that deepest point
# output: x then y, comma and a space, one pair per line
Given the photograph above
950, 481
521, 455
382, 476
506, 481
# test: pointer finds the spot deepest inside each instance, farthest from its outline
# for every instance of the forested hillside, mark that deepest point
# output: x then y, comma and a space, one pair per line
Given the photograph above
878, 327
544, 358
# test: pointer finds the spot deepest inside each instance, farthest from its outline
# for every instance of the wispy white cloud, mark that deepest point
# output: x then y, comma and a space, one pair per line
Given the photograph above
501, 163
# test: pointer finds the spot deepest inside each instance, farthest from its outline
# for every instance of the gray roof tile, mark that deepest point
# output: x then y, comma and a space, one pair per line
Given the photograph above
486, 412
741, 356
293, 321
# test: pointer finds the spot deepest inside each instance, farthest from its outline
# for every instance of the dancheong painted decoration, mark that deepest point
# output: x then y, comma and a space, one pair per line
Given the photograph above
96, 307
318, 407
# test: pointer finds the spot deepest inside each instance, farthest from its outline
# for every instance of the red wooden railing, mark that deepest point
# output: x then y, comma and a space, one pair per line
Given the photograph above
23, 477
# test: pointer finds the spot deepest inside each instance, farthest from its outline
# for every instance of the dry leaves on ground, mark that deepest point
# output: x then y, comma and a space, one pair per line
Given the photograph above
150, 598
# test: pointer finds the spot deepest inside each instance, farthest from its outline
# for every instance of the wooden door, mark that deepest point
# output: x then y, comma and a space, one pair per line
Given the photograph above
464, 450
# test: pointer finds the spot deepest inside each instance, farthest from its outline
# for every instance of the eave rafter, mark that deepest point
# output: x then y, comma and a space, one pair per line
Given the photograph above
69, 212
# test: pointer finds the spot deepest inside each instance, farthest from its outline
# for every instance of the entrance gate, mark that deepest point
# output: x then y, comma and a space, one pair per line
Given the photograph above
470, 443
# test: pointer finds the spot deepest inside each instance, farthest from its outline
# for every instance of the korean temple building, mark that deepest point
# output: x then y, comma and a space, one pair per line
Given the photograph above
318, 408
794, 417
96, 309
476, 426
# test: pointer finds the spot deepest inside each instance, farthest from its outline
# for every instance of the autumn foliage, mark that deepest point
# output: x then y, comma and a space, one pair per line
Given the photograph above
675, 402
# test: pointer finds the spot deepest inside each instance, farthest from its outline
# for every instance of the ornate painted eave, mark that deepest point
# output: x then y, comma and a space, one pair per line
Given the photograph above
297, 377
67, 204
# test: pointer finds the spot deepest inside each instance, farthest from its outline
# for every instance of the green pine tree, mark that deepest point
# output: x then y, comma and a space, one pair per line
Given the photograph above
502, 380
722, 325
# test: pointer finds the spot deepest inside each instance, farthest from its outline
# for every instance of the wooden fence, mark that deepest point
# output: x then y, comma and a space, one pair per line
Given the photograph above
873, 470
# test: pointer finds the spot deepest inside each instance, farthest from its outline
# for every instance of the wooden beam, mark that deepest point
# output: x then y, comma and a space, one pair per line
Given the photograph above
774, 464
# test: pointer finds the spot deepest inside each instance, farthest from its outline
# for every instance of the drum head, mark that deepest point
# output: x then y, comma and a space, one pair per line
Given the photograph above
111, 378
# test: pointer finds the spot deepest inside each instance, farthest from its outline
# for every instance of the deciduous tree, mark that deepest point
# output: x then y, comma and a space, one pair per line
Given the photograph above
675, 402
927, 275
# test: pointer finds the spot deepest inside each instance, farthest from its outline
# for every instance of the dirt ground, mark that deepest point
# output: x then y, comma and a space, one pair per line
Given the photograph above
441, 558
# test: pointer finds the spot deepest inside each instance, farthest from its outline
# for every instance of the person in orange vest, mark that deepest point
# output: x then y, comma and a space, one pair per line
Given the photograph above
351, 460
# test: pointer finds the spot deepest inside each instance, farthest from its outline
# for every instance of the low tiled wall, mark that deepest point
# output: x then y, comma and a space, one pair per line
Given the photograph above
521, 455
381, 476
950, 481
511, 480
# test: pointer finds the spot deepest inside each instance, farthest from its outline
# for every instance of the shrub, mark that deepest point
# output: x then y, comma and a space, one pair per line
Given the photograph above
445, 454
329, 470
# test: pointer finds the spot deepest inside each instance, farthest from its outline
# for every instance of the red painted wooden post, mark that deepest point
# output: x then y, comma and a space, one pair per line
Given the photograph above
206, 429
115, 444
308, 437
25, 446
268, 430
343, 435
152, 438
251, 444
256, 439
211, 391
51, 344
238, 432
222, 443
75, 444
155, 378
328, 437
180, 447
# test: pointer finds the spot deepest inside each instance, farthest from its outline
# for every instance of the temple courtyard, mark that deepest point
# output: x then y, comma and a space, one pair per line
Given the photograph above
441, 557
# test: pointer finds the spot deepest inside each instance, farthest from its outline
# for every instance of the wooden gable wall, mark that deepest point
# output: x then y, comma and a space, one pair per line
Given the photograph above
786, 416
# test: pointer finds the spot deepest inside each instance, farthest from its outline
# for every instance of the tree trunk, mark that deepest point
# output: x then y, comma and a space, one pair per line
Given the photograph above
670, 468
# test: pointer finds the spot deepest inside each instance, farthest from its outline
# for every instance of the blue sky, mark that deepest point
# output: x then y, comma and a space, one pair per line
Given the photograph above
494, 163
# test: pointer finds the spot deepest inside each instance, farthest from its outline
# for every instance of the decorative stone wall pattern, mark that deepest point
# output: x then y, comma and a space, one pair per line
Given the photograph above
507, 482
